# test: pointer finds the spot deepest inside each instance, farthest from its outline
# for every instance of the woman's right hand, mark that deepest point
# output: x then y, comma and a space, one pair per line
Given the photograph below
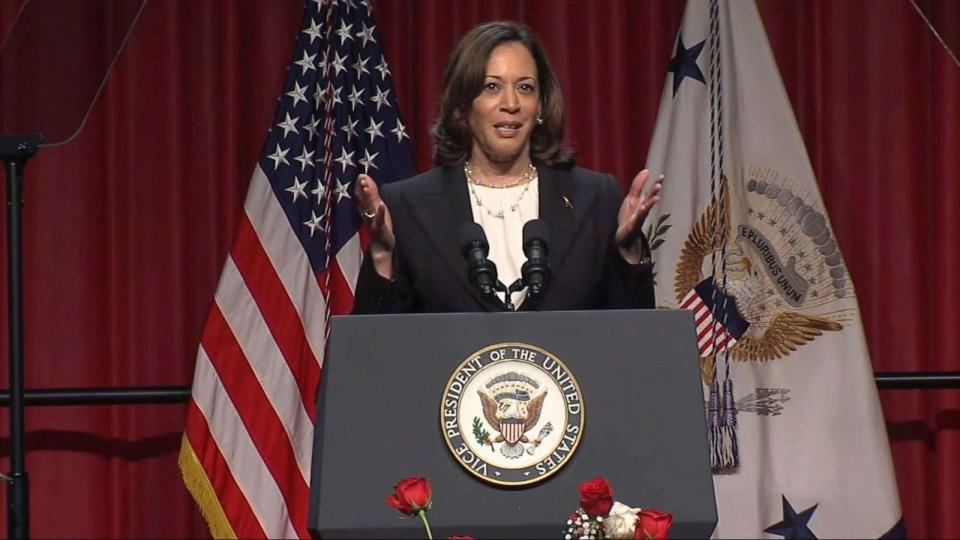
377, 217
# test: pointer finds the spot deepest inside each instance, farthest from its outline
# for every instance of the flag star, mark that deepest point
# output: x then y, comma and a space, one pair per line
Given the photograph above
280, 156
367, 160
297, 189
367, 34
342, 190
314, 222
298, 93
337, 63
349, 5
288, 125
350, 128
383, 68
313, 31
306, 63
305, 158
361, 66
382, 98
335, 95
345, 160
355, 98
374, 130
311, 128
794, 524
318, 95
400, 131
320, 191
322, 65
344, 32
684, 64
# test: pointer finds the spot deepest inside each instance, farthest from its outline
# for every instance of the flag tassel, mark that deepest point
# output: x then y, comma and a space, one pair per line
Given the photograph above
195, 478
715, 424
731, 452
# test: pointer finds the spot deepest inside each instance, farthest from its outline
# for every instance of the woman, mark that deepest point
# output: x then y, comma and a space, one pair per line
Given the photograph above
501, 164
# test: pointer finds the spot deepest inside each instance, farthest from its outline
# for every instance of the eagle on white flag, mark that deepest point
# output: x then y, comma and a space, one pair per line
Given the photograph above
798, 442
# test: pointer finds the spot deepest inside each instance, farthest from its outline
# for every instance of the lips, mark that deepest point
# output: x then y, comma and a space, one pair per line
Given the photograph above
507, 129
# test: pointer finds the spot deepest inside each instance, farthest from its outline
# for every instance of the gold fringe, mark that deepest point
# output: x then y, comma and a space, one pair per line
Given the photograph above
197, 483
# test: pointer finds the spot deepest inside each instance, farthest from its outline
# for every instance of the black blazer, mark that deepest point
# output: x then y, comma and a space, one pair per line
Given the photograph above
430, 273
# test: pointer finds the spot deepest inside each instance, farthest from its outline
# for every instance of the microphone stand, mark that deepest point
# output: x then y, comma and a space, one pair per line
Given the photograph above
516, 286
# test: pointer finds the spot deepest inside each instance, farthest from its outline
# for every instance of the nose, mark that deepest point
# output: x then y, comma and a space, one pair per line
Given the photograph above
509, 101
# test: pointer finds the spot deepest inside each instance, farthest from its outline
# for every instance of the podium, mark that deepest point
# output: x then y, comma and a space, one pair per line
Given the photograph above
379, 419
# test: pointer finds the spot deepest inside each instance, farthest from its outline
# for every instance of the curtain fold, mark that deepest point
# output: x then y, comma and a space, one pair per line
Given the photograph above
127, 226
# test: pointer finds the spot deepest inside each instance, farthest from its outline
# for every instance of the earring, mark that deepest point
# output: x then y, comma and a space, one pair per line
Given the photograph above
539, 121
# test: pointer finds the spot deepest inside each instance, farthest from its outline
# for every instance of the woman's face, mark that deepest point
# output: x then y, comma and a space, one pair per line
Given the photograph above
503, 116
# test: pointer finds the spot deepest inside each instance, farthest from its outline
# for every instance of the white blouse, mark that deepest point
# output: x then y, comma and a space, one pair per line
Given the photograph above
502, 212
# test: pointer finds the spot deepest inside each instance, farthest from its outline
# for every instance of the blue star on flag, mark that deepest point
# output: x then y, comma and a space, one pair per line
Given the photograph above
684, 64
793, 525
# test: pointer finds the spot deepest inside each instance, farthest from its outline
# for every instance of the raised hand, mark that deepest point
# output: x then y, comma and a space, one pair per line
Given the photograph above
377, 217
633, 211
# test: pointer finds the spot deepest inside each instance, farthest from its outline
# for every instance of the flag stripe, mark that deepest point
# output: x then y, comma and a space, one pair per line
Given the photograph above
348, 260
256, 415
243, 460
232, 500
267, 363
341, 300
278, 313
292, 265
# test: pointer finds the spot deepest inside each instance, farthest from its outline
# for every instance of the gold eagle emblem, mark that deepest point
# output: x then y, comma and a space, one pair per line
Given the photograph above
775, 330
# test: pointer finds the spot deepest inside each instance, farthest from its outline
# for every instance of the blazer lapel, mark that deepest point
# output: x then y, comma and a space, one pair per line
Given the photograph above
558, 208
445, 208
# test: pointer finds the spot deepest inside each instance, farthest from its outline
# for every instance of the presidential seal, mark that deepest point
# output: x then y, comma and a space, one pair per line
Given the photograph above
512, 414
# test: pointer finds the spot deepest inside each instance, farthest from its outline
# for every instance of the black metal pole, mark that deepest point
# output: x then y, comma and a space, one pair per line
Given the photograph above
917, 380
133, 395
15, 150
18, 499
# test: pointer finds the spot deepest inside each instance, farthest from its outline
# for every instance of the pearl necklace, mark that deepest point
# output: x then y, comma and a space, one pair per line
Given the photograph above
528, 176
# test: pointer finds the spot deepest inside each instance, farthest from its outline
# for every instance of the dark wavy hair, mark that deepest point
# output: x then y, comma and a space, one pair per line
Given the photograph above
463, 81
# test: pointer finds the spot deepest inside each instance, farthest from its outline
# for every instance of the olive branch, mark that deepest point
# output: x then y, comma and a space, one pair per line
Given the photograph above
654, 234
480, 433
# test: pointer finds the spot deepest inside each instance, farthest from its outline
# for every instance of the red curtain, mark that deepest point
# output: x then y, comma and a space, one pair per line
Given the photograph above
127, 226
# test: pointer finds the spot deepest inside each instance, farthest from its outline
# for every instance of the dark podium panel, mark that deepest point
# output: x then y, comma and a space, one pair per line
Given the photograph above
379, 407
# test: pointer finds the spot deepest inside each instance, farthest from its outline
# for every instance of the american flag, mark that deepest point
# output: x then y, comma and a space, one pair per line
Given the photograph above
245, 456
719, 324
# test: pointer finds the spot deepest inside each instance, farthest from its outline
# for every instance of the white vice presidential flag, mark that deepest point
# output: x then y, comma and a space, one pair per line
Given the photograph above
742, 238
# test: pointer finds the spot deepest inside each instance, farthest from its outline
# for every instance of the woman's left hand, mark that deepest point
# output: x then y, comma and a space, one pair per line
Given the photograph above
633, 211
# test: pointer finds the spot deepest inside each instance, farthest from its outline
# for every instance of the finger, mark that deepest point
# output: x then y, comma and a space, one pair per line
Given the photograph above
380, 218
654, 191
368, 195
636, 186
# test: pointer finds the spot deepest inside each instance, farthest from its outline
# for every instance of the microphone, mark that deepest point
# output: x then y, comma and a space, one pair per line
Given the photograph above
481, 272
536, 271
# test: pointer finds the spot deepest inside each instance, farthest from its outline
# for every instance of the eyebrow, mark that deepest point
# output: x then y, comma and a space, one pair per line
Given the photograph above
499, 78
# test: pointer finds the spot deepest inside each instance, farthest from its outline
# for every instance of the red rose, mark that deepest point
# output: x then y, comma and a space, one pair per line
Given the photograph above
411, 495
653, 524
595, 497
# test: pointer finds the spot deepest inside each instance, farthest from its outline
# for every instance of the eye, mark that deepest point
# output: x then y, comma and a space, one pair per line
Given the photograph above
491, 86
527, 88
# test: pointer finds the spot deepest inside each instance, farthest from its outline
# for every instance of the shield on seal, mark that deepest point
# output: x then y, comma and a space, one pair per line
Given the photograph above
511, 429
